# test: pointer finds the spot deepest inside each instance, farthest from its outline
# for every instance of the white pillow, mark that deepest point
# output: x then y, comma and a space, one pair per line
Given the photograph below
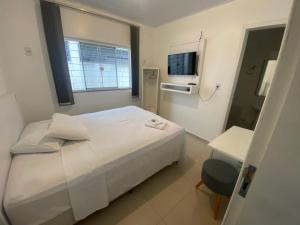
34, 140
67, 127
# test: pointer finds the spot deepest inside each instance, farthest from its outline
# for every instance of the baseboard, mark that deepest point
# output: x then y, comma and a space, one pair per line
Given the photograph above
196, 135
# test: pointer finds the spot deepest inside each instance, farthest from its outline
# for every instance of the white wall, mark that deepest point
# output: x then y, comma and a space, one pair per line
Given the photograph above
88, 27
2, 78
30, 77
2, 82
26, 76
222, 26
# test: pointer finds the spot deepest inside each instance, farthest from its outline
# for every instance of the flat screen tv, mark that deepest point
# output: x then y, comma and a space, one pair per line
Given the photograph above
182, 64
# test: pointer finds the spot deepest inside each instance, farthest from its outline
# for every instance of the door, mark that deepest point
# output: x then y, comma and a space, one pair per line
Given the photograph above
273, 194
255, 76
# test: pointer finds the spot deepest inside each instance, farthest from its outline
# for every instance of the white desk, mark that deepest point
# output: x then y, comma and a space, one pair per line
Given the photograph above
234, 143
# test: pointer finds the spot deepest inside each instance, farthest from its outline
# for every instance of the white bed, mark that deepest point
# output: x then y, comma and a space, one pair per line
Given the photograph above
126, 151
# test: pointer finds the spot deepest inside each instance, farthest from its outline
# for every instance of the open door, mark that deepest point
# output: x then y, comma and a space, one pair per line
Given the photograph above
258, 63
267, 192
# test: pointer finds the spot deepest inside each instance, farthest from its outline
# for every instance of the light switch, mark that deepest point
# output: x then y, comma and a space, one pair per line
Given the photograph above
28, 51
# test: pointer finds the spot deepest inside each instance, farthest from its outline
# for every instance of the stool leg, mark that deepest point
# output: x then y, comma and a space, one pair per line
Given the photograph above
199, 184
217, 206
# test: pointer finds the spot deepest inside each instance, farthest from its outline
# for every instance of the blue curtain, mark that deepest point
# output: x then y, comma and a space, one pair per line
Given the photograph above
56, 51
135, 56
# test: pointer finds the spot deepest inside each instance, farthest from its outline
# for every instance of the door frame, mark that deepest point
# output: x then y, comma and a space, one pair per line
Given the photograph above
243, 43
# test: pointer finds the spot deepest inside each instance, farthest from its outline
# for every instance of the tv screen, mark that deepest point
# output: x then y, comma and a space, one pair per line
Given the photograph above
182, 64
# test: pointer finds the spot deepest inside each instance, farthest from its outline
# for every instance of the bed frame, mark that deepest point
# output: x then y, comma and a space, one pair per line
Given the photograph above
12, 124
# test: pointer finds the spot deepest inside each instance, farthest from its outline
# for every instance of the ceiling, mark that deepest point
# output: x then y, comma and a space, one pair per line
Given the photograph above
152, 12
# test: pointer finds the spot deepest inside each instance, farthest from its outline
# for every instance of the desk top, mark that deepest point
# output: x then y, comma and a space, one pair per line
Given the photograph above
234, 142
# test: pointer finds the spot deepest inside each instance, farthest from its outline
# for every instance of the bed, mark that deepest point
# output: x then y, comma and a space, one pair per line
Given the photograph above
126, 153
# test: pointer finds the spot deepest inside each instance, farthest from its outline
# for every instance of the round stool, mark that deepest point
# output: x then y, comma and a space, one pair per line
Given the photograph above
220, 177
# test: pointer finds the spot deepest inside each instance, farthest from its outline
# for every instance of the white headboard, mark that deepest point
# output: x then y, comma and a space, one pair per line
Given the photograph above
11, 126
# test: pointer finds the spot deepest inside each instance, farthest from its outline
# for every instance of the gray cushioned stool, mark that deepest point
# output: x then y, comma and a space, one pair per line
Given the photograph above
220, 177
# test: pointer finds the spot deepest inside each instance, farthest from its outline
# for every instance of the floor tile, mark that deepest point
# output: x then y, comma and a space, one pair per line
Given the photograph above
164, 194
197, 148
129, 209
144, 215
162, 222
194, 209
194, 174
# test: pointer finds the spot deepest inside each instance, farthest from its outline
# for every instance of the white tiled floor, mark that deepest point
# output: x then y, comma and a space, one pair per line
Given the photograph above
167, 198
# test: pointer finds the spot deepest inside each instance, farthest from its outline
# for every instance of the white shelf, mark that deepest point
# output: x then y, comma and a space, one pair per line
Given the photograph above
180, 88
150, 68
150, 88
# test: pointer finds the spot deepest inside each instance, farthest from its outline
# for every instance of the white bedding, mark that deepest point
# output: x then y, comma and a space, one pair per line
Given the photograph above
85, 179
126, 153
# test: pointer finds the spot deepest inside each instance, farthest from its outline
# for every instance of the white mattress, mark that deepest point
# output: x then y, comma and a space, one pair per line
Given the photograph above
128, 153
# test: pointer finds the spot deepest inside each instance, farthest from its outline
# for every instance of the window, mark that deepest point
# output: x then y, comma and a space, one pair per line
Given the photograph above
94, 66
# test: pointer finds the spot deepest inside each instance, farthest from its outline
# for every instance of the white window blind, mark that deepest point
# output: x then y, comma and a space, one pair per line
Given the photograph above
93, 66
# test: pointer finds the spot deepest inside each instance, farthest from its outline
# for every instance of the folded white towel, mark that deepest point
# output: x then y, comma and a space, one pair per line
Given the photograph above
157, 124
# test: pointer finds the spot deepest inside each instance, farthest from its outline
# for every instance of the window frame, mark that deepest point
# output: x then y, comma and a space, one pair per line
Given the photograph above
110, 45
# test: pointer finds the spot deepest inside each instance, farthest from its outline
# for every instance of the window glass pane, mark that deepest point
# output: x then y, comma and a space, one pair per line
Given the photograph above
123, 71
90, 62
89, 53
108, 67
67, 51
92, 75
94, 66
75, 66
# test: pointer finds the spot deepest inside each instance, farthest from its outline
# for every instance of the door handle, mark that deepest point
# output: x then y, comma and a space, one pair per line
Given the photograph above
248, 175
